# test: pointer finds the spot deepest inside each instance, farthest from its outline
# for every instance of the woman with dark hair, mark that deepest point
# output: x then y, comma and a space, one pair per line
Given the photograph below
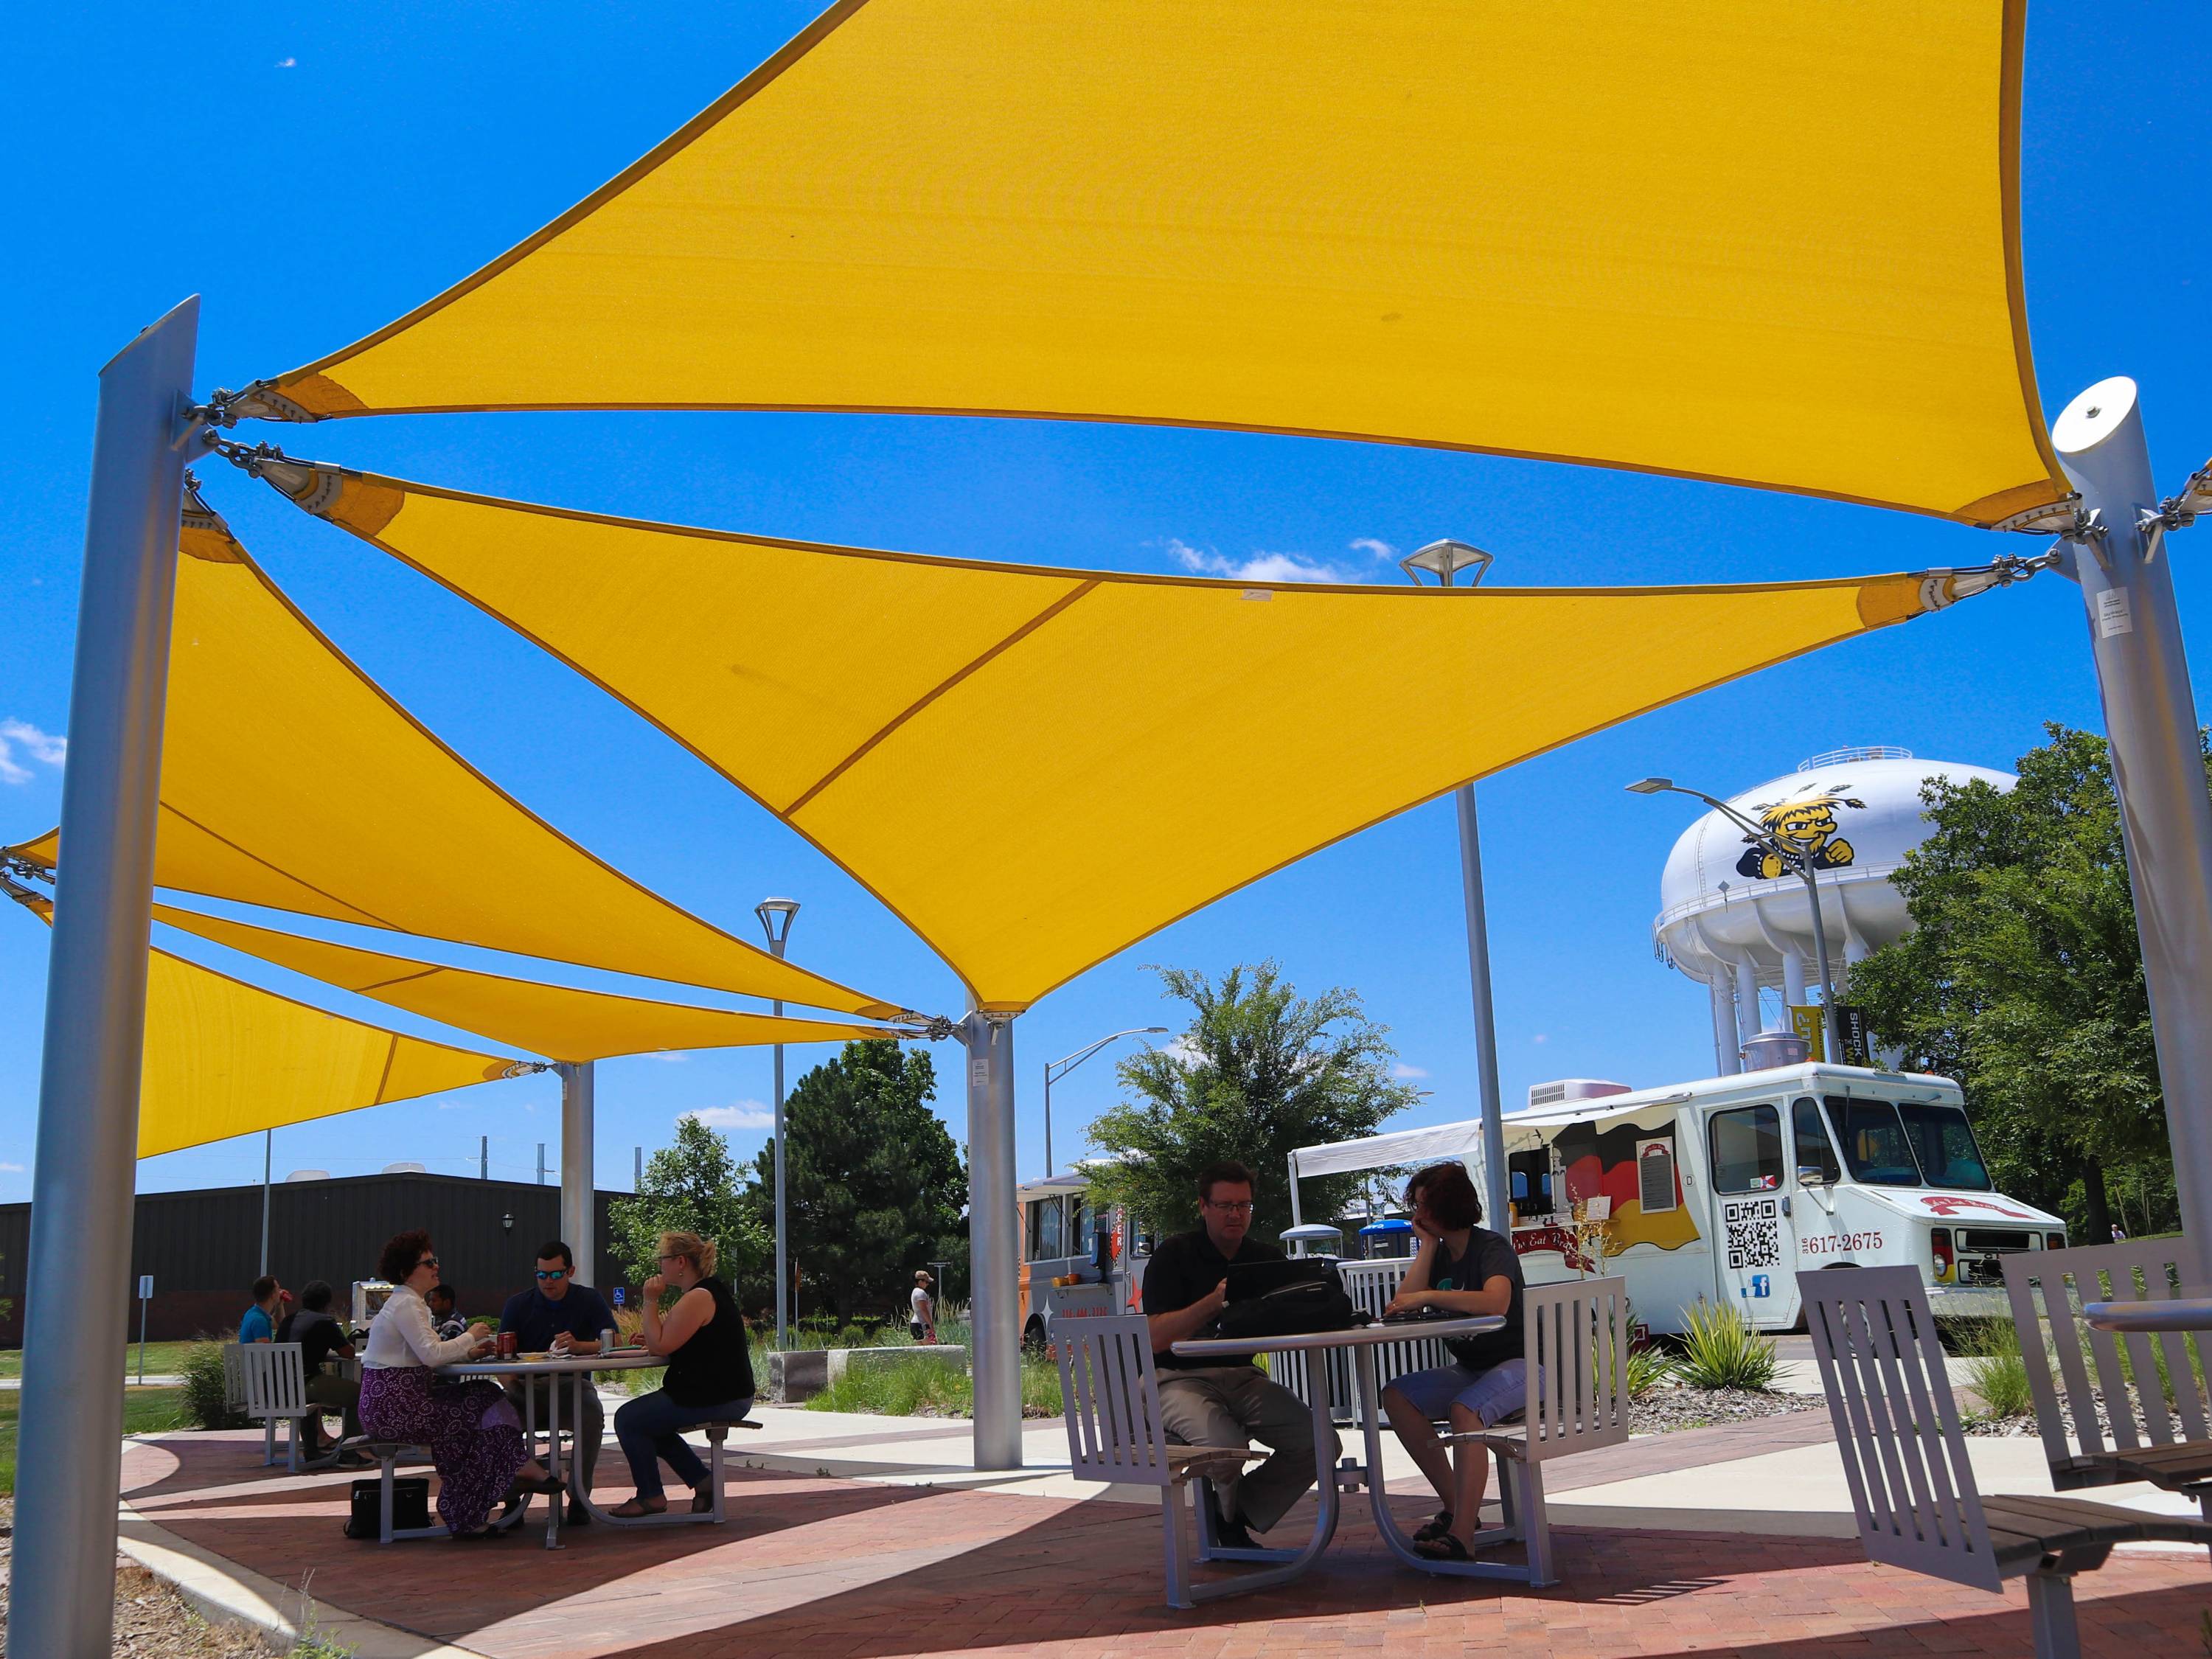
474, 1436
1464, 1268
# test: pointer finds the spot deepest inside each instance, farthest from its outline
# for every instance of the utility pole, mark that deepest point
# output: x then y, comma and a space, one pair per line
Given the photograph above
776, 916
268, 1153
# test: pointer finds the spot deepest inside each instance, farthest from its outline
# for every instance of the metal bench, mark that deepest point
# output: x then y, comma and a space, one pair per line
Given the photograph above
2172, 1448
717, 1433
275, 1392
1577, 1339
1114, 1433
1904, 1456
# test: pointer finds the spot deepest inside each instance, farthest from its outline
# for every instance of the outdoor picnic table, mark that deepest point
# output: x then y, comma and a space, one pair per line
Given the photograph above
1361, 1340
580, 1367
2180, 1313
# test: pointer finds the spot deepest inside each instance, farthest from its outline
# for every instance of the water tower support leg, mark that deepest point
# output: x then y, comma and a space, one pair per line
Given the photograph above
1725, 1060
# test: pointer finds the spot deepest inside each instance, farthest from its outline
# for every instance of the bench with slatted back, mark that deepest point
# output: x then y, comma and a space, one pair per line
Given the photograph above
1114, 1433
2162, 1434
1904, 1459
276, 1391
1578, 1335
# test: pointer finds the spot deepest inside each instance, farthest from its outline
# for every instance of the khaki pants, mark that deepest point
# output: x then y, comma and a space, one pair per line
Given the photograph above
594, 1428
341, 1394
1233, 1406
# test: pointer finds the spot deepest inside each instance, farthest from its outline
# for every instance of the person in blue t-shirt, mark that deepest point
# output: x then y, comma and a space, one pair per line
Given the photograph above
559, 1315
260, 1324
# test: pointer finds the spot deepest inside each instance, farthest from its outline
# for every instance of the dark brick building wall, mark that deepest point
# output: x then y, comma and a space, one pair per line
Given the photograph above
203, 1248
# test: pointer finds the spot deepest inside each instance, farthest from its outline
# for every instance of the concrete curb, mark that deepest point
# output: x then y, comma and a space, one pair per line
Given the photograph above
221, 1591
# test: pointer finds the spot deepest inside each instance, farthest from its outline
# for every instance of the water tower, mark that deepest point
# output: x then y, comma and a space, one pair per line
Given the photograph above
1735, 922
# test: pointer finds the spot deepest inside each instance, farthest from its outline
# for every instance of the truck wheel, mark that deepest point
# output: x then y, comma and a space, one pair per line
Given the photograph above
1033, 1340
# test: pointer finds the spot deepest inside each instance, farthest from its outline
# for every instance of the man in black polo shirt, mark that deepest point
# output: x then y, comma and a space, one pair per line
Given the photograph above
560, 1316
1207, 1403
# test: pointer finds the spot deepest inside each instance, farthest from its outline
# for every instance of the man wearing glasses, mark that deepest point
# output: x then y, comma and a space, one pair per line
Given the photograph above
1208, 1403
558, 1315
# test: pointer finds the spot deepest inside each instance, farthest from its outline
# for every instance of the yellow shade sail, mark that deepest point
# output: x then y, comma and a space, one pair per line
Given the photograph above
547, 1019
290, 779
1035, 766
1752, 240
224, 1058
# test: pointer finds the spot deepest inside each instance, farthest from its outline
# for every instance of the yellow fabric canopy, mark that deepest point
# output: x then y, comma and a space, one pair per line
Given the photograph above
547, 1019
290, 779
1753, 240
224, 1058
1035, 767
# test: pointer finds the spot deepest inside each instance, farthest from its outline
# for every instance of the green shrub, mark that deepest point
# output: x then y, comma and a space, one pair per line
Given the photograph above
1720, 1350
1648, 1368
202, 1403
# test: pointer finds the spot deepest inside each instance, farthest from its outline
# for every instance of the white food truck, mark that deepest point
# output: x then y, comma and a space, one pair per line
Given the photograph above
1077, 1259
1724, 1189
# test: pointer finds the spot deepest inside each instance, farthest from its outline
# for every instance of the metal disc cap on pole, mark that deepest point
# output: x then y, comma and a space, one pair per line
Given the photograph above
76, 1321
2157, 766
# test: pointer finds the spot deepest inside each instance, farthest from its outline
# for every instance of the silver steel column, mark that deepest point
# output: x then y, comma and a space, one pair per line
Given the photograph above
579, 1208
1496, 1197
994, 1273
78, 1311
1726, 1060
776, 916
268, 1155
2150, 720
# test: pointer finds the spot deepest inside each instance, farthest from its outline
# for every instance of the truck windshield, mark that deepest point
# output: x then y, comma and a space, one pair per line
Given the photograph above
1945, 1141
1874, 1141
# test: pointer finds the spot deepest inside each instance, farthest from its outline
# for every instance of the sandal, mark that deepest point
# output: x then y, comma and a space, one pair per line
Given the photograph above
634, 1508
702, 1502
1429, 1531
1444, 1547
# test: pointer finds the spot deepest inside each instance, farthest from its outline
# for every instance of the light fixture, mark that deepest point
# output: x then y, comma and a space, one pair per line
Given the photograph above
1445, 560
1651, 786
507, 1223
775, 918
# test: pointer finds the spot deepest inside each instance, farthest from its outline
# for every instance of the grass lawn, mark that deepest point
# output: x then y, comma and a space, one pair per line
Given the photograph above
144, 1410
162, 1359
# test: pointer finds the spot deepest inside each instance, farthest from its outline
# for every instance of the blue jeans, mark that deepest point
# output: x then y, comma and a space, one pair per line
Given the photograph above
650, 1431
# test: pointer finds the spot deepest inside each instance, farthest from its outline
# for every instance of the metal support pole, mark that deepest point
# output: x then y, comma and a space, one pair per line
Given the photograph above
71, 1442
637, 1168
1726, 1060
1828, 1026
1047, 1123
994, 1276
483, 1158
268, 1156
1497, 1196
541, 1163
579, 1211
2158, 768
1748, 1020
783, 1233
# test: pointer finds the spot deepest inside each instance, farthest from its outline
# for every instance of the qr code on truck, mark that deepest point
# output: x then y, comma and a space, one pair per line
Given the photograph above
1754, 1233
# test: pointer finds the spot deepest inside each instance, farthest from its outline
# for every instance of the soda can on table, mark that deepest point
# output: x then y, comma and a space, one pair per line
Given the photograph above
509, 1345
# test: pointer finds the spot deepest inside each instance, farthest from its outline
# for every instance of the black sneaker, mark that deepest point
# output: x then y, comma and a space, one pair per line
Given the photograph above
1231, 1533
577, 1515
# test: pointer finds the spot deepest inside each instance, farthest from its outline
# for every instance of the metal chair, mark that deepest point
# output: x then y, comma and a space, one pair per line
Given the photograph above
1114, 1433
1577, 1337
234, 1377
2158, 1416
1905, 1457
276, 1392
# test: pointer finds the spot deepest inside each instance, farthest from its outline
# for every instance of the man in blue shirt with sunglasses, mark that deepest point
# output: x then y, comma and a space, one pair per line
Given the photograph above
558, 1315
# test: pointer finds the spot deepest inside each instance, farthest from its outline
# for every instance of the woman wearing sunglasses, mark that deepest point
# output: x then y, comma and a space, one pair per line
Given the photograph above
474, 1436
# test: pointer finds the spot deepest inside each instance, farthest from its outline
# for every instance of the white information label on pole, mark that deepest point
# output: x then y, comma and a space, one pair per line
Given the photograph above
979, 1073
2113, 614
145, 1287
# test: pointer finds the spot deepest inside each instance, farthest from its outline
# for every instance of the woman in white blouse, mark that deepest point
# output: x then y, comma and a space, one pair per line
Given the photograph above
474, 1436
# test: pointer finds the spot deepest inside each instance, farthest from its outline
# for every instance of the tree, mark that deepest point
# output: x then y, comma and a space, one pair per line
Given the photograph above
874, 1182
2023, 979
1258, 1072
689, 1187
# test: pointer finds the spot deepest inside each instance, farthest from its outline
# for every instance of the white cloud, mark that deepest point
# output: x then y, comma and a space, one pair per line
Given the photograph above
287, 62
11, 1169
1540, 1038
1186, 1052
667, 1058
1381, 550
1401, 1070
41, 747
1259, 567
745, 1114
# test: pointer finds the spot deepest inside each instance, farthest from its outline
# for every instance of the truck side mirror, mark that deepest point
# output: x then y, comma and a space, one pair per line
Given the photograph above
1812, 1175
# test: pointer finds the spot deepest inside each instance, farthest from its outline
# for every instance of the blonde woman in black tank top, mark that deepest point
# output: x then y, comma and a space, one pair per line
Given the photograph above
709, 1378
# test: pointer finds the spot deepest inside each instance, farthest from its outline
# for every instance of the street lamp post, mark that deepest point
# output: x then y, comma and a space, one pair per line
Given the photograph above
1057, 1069
776, 916
1445, 560
1765, 839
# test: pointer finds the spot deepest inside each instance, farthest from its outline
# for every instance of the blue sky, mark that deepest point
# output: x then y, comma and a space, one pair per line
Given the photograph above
314, 171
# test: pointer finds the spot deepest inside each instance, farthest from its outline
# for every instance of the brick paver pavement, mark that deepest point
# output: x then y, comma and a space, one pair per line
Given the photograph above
834, 1569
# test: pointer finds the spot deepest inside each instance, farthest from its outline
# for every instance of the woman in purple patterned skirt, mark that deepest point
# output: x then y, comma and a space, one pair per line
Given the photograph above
474, 1436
